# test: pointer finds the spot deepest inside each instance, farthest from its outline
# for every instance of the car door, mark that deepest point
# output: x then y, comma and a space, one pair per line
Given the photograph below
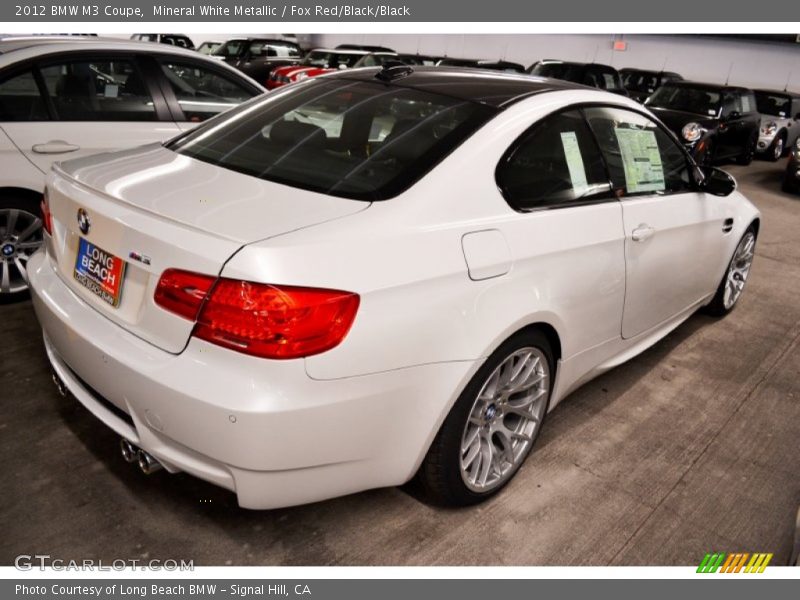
196, 90
733, 127
672, 231
751, 120
84, 105
568, 240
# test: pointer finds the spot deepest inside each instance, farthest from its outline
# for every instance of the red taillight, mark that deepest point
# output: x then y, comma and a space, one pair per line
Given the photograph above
183, 292
47, 218
263, 320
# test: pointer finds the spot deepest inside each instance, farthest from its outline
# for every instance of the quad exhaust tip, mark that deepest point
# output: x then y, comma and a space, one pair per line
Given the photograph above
148, 464
60, 385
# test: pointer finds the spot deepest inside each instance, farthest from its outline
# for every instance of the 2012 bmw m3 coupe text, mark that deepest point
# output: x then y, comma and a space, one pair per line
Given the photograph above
376, 275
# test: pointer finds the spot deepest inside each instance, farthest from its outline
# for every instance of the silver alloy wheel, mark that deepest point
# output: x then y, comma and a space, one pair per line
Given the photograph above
778, 151
20, 237
504, 420
739, 269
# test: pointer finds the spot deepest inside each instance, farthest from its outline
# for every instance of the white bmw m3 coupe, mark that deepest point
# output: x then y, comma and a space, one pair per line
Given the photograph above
375, 276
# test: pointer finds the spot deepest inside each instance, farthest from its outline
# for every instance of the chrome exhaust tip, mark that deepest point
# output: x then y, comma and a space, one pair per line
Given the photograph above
147, 463
60, 385
129, 451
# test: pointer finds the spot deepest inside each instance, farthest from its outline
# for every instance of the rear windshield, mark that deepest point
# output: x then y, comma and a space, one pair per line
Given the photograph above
697, 100
360, 140
775, 105
640, 81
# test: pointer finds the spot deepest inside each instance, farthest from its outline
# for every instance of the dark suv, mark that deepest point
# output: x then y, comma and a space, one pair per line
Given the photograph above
257, 57
641, 83
594, 75
714, 122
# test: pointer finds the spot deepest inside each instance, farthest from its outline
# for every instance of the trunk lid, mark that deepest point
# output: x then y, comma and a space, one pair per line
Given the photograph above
139, 212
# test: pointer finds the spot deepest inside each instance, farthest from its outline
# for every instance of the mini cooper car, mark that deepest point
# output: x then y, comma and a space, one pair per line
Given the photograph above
322, 61
258, 57
641, 83
374, 276
780, 122
602, 77
209, 46
172, 39
64, 98
791, 178
715, 122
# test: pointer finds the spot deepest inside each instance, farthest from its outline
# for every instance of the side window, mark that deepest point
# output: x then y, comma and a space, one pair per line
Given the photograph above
203, 92
748, 102
98, 90
556, 162
731, 103
641, 157
20, 99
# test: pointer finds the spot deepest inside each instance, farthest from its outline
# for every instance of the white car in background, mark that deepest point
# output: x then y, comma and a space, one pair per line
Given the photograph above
296, 307
64, 98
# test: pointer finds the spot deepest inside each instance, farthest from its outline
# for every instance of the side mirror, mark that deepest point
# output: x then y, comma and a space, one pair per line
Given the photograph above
715, 181
733, 115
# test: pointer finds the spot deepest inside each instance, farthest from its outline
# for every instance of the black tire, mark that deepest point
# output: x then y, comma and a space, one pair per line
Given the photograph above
789, 186
30, 206
439, 478
717, 308
772, 154
748, 152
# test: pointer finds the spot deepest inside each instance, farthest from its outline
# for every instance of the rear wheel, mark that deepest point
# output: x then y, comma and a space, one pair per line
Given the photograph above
732, 285
493, 425
20, 236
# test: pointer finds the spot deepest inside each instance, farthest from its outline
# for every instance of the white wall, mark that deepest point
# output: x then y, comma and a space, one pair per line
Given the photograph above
753, 64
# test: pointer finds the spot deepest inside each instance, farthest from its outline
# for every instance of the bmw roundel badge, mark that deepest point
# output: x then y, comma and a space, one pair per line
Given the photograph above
83, 221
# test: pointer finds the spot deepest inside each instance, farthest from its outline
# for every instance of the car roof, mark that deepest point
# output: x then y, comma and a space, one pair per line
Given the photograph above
496, 89
344, 51
576, 64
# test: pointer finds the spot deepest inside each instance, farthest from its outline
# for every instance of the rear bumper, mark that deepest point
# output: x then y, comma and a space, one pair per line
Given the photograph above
261, 428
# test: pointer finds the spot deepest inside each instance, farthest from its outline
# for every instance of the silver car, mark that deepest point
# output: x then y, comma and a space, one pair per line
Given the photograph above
780, 122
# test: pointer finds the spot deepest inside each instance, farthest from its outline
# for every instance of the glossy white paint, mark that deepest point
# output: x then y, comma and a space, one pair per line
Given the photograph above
446, 272
43, 143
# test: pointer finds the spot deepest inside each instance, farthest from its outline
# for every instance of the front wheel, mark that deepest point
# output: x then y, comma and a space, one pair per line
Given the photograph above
493, 425
775, 151
748, 152
732, 285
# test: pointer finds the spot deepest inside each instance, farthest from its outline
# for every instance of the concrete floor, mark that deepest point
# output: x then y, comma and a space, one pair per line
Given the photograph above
690, 447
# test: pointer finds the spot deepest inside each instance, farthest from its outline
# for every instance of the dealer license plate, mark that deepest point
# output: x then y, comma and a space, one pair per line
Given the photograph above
100, 272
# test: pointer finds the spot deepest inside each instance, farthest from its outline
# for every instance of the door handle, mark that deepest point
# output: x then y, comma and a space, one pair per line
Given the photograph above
55, 147
642, 233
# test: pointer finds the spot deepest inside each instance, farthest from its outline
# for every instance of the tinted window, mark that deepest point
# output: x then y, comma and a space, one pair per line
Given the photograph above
98, 90
641, 81
641, 157
20, 99
775, 105
203, 92
556, 162
356, 140
231, 48
697, 100
274, 50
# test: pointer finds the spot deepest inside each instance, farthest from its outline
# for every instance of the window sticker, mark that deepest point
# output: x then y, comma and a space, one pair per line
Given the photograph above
111, 90
577, 172
641, 160
746, 108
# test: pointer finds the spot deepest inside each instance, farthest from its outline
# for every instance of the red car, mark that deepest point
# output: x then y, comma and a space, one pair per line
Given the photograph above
321, 61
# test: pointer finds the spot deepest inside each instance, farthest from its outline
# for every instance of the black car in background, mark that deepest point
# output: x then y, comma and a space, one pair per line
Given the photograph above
791, 178
422, 60
364, 48
640, 83
594, 75
257, 57
714, 122
475, 63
